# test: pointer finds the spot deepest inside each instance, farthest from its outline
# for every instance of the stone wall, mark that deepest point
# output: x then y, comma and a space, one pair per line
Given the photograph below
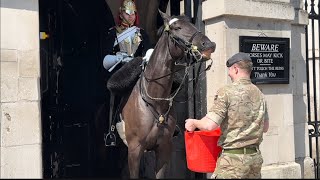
20, 95
285, 146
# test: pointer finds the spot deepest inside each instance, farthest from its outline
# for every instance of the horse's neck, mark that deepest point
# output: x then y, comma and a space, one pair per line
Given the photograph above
161, 61
160, 65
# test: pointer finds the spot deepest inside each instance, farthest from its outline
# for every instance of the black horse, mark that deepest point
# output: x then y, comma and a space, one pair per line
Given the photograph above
147, 110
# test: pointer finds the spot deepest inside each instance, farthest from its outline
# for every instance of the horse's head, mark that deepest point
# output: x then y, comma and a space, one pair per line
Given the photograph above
188, 37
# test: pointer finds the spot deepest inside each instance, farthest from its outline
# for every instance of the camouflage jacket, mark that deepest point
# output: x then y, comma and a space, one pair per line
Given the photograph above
242, 108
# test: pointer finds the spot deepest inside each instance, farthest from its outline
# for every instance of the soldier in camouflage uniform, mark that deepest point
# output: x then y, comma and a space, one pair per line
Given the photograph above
241, 112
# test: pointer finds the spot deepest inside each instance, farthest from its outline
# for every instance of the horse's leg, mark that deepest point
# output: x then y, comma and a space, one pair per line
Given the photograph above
163, 155
134, 157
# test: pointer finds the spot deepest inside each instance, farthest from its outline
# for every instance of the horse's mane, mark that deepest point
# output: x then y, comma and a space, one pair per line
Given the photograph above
181, 17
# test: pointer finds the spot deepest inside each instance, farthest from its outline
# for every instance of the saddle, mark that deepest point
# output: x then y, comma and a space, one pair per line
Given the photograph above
123, 80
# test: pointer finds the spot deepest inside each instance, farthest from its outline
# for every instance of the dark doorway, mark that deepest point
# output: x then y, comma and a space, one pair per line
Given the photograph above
73, 90
72, 83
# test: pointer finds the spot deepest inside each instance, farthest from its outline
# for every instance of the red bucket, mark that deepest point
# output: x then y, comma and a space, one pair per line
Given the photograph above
202, 150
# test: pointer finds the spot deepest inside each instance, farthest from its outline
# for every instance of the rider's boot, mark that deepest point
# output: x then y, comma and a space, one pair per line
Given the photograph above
110, 137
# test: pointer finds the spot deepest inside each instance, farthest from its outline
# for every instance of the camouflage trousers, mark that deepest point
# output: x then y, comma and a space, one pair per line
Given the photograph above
243, 166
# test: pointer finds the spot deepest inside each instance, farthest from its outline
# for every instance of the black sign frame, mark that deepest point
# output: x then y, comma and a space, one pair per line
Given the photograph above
273, 55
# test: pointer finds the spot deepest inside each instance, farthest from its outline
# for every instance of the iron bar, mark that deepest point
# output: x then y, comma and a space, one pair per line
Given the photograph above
187, 8
307, 70
311, 78
313, 70
307, 76
316, 125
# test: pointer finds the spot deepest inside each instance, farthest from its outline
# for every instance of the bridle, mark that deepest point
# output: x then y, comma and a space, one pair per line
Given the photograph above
190, 52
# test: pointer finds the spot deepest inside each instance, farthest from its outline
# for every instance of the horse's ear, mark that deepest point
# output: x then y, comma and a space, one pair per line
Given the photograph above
165, 17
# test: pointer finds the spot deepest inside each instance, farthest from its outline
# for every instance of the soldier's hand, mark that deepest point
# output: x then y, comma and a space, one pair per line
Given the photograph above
189, 125
127, 59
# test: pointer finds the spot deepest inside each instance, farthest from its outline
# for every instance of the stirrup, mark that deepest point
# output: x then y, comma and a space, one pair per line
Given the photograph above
110, 138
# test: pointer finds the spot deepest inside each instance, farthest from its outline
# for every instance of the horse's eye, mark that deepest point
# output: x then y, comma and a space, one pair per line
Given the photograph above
177, 28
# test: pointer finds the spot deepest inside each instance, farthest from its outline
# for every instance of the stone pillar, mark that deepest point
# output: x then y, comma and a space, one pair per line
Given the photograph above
225, 21
21, 155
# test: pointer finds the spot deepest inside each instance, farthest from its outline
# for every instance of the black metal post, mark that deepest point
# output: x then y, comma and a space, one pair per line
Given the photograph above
311, 78
199, 95
187, 8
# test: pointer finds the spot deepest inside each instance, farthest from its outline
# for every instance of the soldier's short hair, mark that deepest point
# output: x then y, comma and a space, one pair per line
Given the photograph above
242, 60
245, 65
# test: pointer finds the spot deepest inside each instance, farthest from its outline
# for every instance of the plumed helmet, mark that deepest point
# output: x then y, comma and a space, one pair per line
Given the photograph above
128, 6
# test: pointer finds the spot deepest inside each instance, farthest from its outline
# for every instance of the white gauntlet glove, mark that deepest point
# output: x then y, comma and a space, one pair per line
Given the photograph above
148, 55
111, 61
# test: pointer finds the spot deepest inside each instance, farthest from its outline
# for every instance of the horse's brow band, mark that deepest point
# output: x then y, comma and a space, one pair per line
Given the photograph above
173, 20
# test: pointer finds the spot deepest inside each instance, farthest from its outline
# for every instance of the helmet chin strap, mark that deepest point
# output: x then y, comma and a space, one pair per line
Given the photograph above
125, 22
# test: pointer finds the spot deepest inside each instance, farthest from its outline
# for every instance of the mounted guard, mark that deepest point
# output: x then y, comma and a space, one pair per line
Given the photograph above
130, 43
127, 41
